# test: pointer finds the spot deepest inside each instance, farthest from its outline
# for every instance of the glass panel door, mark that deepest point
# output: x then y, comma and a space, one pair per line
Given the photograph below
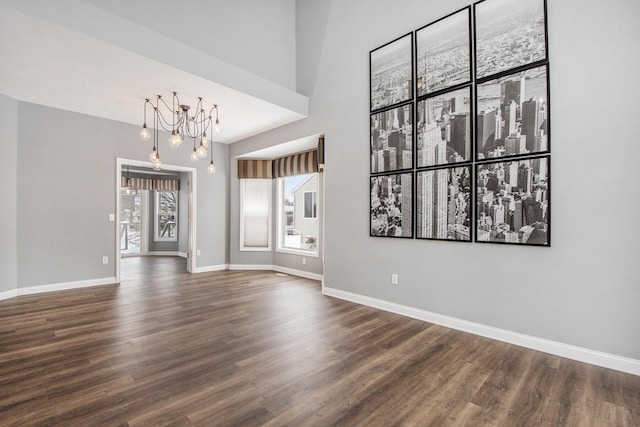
131, 230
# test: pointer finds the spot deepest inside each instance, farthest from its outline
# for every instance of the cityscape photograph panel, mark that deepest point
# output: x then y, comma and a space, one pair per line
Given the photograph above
443, 204
509, 34
512, 116
391, 210
392, 139
512, 203
444, 129
444, 53
391, 73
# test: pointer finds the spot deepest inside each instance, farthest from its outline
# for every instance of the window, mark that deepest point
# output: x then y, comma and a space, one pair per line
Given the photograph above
298, 214
310, 205
255, 214
166, 216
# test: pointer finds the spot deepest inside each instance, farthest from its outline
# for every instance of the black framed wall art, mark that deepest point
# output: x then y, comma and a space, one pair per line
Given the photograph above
443, 53
513, 114
444, 128
392, 139
391, 73
443, 203
513, 201
391, 208
509, 34
460, 145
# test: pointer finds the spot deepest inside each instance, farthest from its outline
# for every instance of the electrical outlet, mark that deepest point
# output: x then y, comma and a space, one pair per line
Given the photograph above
198, 253
394, 279
105, 260
304, 261
112, 217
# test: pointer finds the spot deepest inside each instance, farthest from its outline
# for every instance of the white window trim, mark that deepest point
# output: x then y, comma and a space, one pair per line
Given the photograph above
269, 226
280, 246
156, 216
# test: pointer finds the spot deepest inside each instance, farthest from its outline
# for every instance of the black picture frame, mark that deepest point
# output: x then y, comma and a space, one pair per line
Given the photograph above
391, 207
444, 203
444, 128
513, 201
512, 114
391, 73
391, 139
509, 34
443, 53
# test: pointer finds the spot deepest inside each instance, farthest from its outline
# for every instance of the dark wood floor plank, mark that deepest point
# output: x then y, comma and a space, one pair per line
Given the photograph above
245, 348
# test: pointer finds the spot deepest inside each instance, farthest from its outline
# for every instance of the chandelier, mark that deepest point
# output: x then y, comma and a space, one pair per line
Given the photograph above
175, 118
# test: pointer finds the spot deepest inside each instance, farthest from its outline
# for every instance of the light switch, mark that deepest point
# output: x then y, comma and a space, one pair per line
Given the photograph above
112, 217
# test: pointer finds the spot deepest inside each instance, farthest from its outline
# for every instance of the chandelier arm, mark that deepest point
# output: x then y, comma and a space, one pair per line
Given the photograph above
166, 124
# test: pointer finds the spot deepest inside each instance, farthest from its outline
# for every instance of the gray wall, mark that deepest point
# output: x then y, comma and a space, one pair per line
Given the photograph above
584, 289
8, 193
63, 221
257, 36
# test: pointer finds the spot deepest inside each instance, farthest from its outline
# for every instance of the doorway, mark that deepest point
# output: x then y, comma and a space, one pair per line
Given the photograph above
135, 220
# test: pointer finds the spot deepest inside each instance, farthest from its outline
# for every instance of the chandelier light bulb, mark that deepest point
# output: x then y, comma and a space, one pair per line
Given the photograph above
194, 154
201, 151
174, 140
154, 155
217, 126
211, 169
204, 141
144, 133
157, 165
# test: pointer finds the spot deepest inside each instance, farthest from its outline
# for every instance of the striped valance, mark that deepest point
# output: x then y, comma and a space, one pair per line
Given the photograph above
260, 169
297, 164
152, 184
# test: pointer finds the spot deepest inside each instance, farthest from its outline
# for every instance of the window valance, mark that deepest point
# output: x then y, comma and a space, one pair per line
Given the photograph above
151, 184
295, 164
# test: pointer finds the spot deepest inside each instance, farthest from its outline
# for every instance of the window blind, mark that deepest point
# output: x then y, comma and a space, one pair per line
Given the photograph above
256, 214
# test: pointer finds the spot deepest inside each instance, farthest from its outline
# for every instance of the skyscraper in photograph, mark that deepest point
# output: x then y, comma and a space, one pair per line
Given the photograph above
525, 178
513, 90
530, 125
441, 187
486, 129
515, 144
433, 204
461, 134
511, 173
406, 182
510, 121
497, 214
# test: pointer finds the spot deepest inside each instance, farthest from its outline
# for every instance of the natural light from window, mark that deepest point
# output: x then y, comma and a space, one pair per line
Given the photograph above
298, 214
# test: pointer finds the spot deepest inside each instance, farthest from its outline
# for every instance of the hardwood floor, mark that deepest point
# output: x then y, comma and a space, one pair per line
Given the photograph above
254, 348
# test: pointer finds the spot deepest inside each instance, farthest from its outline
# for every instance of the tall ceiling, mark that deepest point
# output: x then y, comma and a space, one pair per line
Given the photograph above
62, 61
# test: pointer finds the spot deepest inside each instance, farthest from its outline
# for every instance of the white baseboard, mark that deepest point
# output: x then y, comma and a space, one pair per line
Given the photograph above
8, 294
292, 271
66, 285
168, 253
606, 360
295, 272
209, 268
250, 267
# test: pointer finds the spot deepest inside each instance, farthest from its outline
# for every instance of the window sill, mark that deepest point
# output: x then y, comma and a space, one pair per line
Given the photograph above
243, 249
301, 252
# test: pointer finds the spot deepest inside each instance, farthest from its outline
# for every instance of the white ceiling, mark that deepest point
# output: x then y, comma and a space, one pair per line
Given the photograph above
48, 64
